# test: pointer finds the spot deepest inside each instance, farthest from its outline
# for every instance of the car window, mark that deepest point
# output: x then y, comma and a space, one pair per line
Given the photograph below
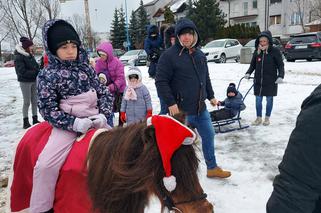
229, 43
276, 42
250, 43
235, 42
215, 44
303, 39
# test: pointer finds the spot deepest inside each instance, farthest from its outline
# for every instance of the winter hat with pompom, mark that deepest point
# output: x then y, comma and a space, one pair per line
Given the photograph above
25, 42
231, 88
170, 135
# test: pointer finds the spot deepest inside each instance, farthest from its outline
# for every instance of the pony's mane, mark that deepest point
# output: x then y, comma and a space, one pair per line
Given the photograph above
125, 168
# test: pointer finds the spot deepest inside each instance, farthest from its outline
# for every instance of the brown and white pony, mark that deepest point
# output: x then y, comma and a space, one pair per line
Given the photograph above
122, 170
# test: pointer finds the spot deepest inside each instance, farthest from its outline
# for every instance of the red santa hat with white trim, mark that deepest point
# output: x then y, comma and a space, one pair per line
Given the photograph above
170, 135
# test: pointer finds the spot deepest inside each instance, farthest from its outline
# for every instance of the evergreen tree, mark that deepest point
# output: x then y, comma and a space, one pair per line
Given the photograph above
122, 27
114, 32
208, 18
133, 29
169, 16
142, 23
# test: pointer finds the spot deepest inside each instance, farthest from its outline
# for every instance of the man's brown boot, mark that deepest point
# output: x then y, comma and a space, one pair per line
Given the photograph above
218, 172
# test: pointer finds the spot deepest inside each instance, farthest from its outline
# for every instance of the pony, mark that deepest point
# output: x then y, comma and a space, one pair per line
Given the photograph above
120, 173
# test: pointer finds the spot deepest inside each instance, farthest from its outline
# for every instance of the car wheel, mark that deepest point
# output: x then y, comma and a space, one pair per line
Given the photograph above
237, 59
223, 58
309, 59
290, 60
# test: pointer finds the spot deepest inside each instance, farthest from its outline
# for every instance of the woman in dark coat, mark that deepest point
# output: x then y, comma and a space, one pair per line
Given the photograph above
269, 72
27, 70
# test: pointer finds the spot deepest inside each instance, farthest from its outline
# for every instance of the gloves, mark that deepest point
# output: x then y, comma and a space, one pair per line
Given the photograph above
102, 78
279, 80
149, 113
82, 125
247, 76
123, 117
99, 121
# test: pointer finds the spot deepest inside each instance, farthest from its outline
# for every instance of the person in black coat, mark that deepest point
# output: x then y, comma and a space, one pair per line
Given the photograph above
153, 47
297, 189
183, 82
27, 70
269, 72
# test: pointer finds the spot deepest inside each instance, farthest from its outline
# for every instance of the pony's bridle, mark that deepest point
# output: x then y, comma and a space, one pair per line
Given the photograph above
172, 206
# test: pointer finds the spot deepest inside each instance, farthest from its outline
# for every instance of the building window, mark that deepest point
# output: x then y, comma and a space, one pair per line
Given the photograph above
295, 18
253, 24
275, 1
254, 4
246, 8
275, 19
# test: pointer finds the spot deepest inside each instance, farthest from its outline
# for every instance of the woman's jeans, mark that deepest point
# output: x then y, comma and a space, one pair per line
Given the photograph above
269, 105
203, 124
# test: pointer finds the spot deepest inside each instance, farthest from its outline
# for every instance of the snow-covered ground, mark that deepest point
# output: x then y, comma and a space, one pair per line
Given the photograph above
251, 154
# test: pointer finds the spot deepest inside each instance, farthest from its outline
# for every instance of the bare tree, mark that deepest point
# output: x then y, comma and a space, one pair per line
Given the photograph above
79, 24
52, 8
23, 16
303, 8
3, 33
316, 11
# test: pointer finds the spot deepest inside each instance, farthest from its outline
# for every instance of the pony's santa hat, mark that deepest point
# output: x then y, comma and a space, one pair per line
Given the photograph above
170, 135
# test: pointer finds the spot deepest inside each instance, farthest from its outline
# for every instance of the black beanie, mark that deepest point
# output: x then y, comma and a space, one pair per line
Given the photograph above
61, 33
231, 88
186, 30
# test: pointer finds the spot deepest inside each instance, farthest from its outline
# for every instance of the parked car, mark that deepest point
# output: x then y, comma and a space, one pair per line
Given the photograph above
304, 46
9, 63
134, 58
118, 52
222, 49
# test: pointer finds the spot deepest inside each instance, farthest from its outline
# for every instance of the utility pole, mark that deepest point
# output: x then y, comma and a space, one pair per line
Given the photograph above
88, 26
127, 34
266, 15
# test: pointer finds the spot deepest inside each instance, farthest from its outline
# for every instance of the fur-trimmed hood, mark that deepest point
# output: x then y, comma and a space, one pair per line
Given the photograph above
134, 70
22, 51
187, 23
266, 34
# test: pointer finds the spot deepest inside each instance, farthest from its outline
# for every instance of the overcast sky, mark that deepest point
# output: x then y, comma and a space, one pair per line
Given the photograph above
101, 11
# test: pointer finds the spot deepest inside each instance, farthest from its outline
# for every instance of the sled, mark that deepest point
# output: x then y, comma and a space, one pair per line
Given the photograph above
236, 119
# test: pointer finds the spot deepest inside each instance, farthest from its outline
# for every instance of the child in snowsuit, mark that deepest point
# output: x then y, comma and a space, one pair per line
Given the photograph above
136, 104
71, 99
233, 103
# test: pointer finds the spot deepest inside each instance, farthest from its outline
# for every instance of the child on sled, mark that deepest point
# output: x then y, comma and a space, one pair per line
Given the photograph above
71, 99
233, 103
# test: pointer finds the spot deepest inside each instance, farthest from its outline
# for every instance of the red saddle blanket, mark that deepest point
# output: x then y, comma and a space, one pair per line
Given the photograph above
71, 189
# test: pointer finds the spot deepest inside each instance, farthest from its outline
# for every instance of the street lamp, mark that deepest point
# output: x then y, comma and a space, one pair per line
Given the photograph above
127, 35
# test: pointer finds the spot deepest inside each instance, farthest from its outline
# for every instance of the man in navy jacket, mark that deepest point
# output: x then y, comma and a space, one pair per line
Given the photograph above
183, 82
